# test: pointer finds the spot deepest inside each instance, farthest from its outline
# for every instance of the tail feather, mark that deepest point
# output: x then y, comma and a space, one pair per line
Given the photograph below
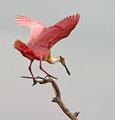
24, 49
19, 45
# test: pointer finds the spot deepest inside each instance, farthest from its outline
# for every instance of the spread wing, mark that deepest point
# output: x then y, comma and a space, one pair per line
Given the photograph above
35, 26
54, 33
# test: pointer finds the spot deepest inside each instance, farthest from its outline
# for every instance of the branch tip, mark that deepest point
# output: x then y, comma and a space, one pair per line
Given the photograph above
76, 113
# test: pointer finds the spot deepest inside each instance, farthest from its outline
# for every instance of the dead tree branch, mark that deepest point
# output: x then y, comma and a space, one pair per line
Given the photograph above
57, 99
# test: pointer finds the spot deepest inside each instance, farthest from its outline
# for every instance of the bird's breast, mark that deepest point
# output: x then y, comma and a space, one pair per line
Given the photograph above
41, 54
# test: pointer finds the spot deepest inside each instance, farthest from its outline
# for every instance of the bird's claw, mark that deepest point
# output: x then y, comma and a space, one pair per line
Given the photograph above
34, 82
50, 76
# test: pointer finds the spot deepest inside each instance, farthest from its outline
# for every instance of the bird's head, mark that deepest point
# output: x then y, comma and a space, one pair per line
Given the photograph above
62, 60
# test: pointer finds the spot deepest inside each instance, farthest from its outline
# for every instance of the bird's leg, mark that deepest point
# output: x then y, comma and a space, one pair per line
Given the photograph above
48, 75
34, 81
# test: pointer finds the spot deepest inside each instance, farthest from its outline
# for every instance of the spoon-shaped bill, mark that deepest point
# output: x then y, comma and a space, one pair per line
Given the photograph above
66, 69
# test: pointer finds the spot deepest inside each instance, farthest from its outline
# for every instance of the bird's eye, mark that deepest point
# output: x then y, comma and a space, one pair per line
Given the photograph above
60, 58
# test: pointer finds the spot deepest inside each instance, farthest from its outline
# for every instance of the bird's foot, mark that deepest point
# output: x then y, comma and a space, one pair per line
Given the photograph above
34, 79
48, 75
34, 82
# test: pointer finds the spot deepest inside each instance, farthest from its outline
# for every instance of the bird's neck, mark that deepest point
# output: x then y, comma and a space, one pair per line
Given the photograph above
52, 60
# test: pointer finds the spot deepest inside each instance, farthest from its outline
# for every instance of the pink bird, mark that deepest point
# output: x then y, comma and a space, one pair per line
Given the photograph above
42, 40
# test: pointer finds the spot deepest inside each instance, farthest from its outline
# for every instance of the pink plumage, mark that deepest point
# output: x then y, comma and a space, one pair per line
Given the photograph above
42, 39
35, 26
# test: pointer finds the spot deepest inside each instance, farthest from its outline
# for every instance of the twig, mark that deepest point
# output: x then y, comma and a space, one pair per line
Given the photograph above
57, 99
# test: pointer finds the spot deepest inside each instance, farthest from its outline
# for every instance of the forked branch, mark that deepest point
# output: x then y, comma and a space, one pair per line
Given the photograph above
57, 99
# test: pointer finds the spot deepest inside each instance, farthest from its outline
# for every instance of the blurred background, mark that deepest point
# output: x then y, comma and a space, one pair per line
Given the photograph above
89, 52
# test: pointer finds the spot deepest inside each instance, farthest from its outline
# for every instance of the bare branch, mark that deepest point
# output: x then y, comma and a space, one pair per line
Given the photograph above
57, 99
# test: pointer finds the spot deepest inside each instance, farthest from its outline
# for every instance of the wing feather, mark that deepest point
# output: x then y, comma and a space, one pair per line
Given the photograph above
54, 33
35, 26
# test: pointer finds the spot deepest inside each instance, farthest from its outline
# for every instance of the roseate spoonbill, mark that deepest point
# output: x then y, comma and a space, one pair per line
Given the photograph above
42, 40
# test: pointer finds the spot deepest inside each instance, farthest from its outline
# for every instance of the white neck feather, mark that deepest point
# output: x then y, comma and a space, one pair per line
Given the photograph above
53, 60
